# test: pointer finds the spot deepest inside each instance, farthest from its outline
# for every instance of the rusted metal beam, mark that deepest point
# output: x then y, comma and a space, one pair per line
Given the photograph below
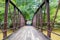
14, 22
41, 20
48, 18
38, 10
37, 20
39, 7
15, 6
17, 9
55, 16
19, 19
5, 18
34, 21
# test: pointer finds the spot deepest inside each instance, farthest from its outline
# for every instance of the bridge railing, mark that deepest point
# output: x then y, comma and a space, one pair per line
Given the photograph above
13, 18
40, 17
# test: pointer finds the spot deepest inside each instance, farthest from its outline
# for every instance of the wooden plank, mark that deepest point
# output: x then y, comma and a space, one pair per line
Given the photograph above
27, 33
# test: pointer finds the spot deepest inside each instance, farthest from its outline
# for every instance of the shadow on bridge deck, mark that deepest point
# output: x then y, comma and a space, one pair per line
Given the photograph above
27, 33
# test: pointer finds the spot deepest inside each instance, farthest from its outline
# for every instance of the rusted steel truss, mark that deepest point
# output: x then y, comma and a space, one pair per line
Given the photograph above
46, 2
16, 18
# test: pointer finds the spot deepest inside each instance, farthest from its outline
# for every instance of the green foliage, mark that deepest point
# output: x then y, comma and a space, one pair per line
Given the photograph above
28, 8
2, 7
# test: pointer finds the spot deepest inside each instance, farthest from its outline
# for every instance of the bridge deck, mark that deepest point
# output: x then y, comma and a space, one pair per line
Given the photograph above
27, 33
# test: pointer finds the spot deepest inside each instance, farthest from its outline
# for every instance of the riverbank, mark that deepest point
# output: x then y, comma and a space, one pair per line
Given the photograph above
8, 33
53, 36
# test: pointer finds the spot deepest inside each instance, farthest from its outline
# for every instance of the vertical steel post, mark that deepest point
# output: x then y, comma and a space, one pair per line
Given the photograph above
16, 20
14, 23
41, 20
48, 18
19, 19
36, 20
5, 18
